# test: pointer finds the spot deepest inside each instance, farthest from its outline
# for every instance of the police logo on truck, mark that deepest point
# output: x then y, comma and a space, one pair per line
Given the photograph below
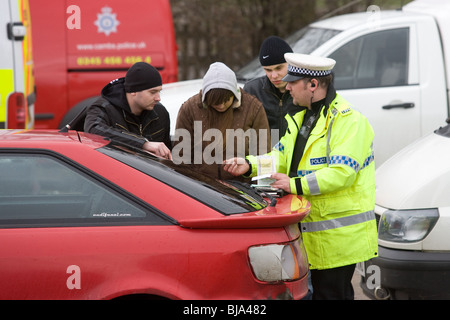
107, 21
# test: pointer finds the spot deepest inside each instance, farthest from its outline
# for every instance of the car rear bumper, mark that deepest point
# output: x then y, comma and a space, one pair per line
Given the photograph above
295, 290
408, 275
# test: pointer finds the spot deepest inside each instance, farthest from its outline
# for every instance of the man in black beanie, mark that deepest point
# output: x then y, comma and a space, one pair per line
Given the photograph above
129, 111
270, 89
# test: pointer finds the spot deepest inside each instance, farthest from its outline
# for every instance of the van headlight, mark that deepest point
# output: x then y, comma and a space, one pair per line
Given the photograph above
407, 225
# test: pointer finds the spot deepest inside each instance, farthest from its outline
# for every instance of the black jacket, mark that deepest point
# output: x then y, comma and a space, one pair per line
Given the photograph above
276, 104
110, 116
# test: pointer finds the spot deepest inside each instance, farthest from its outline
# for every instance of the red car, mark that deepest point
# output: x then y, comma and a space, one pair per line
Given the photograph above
84, 218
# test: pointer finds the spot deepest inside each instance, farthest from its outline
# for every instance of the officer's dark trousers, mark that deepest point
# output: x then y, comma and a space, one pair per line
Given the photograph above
333, 284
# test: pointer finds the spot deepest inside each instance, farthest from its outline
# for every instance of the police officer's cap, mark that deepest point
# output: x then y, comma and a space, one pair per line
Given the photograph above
307, 66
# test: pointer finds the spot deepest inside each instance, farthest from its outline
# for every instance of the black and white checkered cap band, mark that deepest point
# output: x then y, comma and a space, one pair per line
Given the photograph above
302, 72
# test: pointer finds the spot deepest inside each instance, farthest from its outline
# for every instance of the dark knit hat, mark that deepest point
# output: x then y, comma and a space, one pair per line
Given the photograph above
272, 51
142, 76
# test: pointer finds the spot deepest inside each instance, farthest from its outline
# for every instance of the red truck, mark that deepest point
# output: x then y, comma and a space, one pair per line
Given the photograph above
80, 46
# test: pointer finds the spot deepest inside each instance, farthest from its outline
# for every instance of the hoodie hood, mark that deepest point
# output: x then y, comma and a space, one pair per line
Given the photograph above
114, 92
219, 76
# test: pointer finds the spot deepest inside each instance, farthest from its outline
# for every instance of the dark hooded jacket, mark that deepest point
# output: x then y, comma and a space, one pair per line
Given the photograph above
110, 116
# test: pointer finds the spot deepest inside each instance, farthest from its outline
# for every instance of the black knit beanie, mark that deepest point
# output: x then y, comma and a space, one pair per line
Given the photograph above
272, 51
142, 76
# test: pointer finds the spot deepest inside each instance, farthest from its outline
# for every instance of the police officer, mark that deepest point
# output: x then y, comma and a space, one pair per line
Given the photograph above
327, 156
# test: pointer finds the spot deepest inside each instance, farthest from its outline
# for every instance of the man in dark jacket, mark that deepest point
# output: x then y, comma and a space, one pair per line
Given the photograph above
129, 111
270, 89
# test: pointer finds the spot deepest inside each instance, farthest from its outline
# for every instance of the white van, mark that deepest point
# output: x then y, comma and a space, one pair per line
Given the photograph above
17, 93
412, 206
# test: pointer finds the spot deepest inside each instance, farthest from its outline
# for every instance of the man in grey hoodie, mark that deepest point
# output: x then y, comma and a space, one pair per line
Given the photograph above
222, 119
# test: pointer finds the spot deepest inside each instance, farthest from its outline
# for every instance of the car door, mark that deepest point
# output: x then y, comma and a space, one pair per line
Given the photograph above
64, 231
377, 74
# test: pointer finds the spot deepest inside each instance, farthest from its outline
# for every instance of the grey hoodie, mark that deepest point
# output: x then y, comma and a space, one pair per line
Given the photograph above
219, 76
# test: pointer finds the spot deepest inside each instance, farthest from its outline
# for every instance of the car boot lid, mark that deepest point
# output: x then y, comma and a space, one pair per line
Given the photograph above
288, 210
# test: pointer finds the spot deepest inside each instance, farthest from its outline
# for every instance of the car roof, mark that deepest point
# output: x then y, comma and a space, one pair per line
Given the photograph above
31, 138
350, 20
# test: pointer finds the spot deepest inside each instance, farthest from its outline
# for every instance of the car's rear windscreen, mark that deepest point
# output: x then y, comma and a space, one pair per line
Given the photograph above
227, 197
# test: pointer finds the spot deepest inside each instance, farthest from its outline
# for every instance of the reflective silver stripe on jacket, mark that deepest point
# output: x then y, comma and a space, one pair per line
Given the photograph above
337, 223
334, 111
313, 184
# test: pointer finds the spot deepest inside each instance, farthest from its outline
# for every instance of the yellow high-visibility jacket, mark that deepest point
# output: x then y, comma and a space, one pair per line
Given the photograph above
336, 174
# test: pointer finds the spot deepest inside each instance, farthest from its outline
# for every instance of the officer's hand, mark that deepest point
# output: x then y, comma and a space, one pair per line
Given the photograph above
236, 166
282, 181
158, 148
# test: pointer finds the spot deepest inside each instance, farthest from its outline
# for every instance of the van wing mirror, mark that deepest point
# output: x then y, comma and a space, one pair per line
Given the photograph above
16, 31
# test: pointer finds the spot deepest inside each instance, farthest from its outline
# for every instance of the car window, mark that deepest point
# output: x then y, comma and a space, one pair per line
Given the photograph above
40, 187
308, 39
378, 59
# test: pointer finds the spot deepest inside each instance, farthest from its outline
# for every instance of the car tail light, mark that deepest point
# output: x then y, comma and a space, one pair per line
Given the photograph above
17, 111
279, 262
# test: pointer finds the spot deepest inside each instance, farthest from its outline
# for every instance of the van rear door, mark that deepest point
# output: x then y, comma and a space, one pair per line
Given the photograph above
116, 34
16, 66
